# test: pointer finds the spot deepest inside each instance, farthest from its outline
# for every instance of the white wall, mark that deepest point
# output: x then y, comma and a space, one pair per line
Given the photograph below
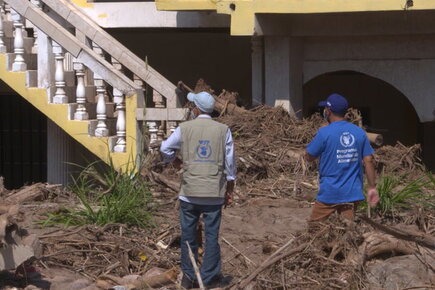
144, 14
405, 62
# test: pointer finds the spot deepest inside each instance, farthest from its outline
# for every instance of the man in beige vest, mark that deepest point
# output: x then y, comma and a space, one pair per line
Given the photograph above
209, 172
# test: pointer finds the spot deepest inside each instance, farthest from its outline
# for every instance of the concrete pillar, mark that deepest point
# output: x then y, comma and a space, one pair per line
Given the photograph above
59, 154
46, 64
257, 63
428, 144
284, 72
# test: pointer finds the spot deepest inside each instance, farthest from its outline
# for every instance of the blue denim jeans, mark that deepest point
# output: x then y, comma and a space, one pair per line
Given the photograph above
189, 217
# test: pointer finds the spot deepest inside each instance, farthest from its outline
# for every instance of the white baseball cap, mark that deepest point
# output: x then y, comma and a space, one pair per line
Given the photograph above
203, 100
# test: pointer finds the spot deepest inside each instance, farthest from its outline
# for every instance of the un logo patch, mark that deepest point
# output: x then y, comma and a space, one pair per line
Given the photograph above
203, 150
347, 139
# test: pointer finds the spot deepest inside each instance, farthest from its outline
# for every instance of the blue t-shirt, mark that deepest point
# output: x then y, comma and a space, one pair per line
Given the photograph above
341, 147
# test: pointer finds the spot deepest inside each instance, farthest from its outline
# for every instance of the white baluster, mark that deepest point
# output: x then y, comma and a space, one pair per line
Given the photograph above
101, 130
2, 33
117, 94
81, 113
158, 100
59, 75
161, 131
120, 127
38, 4
18, 64
152, 129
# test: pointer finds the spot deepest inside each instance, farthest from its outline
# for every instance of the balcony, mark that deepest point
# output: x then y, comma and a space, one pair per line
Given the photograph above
243, 11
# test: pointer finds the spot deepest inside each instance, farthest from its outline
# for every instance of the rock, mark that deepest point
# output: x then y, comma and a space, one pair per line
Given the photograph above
32, 287
400, 272
154, 271
130, 278
92, 287
79, 284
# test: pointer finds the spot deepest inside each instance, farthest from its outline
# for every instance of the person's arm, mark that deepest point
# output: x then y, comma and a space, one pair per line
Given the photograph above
170, 146
230, 167
315, 148
372, 192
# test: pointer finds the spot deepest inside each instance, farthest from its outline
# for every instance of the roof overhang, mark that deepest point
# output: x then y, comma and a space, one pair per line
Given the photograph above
243, 12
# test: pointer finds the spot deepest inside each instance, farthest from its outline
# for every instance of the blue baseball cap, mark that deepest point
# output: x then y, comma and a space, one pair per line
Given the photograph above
336, 103
203, 100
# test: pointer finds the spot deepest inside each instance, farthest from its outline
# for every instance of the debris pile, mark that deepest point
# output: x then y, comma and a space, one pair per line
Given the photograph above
269, 142
105, 253
335, 254
399, 159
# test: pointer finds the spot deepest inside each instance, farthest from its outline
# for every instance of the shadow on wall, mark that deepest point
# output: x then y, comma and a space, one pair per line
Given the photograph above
189, 54
385, 109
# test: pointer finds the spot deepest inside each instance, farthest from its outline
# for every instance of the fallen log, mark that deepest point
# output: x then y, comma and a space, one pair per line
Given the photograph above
376, 139
175, 186
221, 106
161, 280
28, 193
417, 237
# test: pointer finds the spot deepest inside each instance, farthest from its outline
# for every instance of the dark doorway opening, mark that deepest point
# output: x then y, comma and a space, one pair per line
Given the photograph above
23, 141
385, 109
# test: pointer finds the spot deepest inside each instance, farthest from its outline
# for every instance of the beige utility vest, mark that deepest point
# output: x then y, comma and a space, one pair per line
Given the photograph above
203, 153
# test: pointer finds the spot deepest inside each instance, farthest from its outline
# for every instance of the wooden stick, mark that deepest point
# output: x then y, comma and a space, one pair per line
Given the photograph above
195, 267
238, 251
420, 238
175, 186
269, 262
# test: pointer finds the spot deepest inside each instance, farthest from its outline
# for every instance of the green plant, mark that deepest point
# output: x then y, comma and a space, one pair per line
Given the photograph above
394, 196
106, 196
428, 200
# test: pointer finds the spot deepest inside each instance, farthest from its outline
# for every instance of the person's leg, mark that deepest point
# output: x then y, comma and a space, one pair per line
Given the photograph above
211, 265
321, 211
348, 210
189, 216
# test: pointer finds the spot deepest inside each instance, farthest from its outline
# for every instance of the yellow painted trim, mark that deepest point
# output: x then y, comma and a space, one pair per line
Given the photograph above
243, 17
58, 113
102, 15
186, 4
82, 3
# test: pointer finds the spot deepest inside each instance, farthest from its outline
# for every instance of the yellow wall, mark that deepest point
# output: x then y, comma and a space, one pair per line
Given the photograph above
58, 113
243, 14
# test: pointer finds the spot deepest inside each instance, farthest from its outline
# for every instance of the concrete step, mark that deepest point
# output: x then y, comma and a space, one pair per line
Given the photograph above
31, 78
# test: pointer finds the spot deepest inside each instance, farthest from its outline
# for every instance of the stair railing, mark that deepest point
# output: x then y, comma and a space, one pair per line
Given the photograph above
163, 103
51, 43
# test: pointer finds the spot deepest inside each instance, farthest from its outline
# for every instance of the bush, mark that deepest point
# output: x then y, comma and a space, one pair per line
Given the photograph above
395, 196
107, 197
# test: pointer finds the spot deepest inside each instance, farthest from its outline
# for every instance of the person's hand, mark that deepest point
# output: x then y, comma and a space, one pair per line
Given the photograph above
372, 196
228, 198
229, 193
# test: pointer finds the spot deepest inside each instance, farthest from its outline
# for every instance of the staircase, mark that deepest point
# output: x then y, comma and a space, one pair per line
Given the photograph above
84, 80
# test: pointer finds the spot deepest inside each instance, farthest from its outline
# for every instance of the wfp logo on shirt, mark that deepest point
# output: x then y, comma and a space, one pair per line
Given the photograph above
347, 139
203, 150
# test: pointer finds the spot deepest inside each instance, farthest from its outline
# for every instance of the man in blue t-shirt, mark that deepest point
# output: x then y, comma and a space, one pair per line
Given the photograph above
343, 149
